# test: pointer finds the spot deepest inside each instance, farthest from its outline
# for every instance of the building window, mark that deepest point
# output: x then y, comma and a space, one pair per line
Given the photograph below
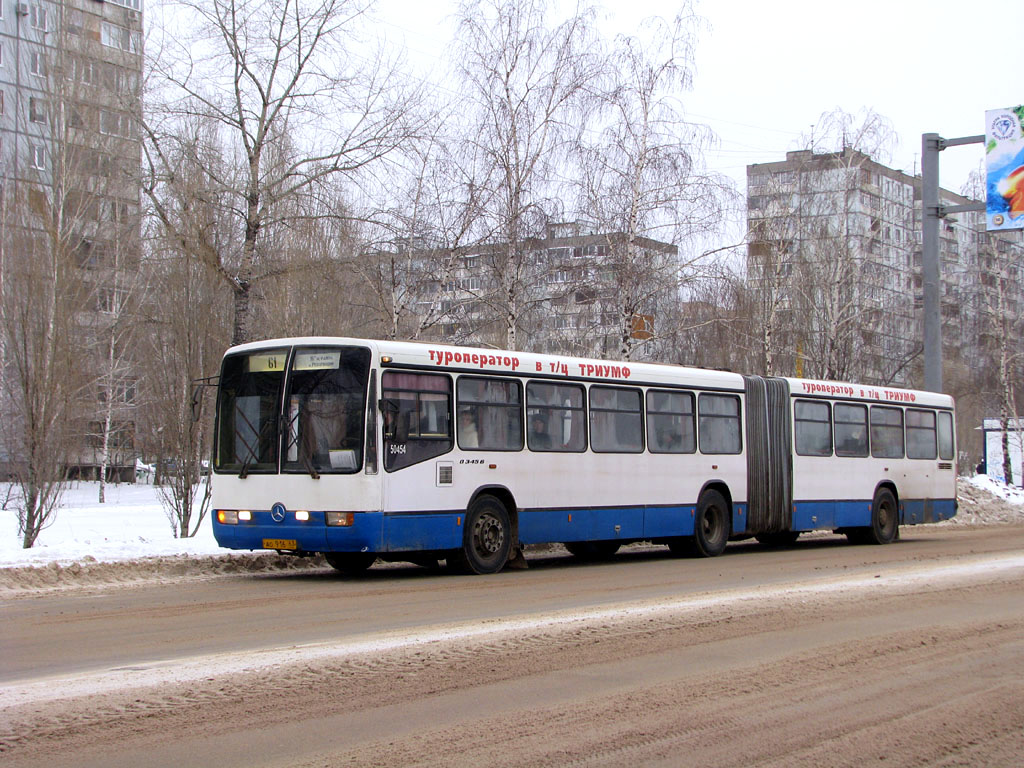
115, 123
113, 36
110, 301
37, 63
120, 80
37, 17
36, 110
37, 158
85, 71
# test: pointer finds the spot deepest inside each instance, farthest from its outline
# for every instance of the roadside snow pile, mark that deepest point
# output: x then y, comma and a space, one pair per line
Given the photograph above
984, 501
89, 572
126, 540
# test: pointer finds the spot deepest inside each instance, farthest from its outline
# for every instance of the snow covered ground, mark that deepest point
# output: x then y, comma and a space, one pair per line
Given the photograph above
133, 525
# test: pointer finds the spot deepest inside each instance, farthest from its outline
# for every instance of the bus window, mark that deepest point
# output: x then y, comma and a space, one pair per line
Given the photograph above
555, 417
417, 417
921, 439
324, 410
490, 414
616, 421
719, 423
670, 424
812, 428
851, 429
946, 448
886, 432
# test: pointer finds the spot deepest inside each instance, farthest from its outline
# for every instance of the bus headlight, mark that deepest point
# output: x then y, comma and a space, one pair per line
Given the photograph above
338, 518
302, 516
233, 516
227, 516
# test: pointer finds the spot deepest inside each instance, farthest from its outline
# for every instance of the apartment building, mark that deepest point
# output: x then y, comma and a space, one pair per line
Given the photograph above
582, 288
70, 158
835, 251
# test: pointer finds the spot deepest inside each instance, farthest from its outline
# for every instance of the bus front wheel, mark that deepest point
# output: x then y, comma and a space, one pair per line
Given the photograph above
885, 522
487, 538
710, 528
350, 563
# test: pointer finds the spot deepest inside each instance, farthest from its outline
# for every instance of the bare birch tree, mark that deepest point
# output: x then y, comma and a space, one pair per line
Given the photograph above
524, 81
295, 103
419, 238
644, 178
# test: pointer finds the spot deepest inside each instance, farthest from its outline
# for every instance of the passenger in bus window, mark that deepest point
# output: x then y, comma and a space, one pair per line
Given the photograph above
539, 437
468, 436
669, 440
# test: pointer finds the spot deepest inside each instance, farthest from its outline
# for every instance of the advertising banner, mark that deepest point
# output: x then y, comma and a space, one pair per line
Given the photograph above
1004, 166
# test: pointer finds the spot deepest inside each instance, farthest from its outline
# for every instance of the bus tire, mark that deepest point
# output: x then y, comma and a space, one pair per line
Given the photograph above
710, 528
487, 538
777, 538
592, 551
884, 528
350, 563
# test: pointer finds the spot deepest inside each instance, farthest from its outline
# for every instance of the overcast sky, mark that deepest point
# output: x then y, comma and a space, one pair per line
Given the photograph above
767, 70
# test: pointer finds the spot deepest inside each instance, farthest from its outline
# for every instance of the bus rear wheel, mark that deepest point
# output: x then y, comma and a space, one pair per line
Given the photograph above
487, 538
350, 563
592, 550
710, 528
885, 522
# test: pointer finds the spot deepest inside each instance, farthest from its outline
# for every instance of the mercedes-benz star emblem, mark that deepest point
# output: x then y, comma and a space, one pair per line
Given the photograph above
277, 512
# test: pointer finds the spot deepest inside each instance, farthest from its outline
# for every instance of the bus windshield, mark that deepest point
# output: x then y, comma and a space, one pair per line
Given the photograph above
249, 402
324, 398
324, 410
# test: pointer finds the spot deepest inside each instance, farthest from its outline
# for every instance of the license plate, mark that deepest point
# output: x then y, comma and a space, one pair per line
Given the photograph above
280, 544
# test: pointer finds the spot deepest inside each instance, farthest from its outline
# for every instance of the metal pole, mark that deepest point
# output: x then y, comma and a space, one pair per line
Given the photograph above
931, 145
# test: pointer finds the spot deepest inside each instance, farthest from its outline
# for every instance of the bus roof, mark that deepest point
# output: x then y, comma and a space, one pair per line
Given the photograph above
480, 360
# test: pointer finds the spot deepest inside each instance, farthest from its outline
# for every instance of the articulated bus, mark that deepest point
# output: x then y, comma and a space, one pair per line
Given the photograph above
363, 449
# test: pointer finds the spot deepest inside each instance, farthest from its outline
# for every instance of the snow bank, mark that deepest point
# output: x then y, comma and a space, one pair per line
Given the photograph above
131, 524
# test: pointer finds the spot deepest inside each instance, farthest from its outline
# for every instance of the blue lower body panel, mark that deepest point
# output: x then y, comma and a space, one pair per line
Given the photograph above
917, 511
826, 515
410, 532
369, 532
537, 526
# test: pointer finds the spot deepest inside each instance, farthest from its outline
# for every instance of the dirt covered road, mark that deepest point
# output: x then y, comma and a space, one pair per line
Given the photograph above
822, 654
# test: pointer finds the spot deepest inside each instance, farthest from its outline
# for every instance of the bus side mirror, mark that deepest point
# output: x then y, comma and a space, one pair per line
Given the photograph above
197, 402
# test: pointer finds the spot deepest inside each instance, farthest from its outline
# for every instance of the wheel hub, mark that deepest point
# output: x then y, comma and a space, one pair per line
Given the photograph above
488, 534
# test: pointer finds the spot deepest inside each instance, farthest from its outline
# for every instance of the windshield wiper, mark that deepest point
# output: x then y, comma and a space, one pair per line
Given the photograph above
244, 472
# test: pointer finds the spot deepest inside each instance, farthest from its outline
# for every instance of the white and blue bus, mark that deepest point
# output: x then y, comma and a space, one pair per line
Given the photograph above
363, 449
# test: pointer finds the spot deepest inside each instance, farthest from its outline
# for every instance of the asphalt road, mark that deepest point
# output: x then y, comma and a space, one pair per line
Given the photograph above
906, 654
